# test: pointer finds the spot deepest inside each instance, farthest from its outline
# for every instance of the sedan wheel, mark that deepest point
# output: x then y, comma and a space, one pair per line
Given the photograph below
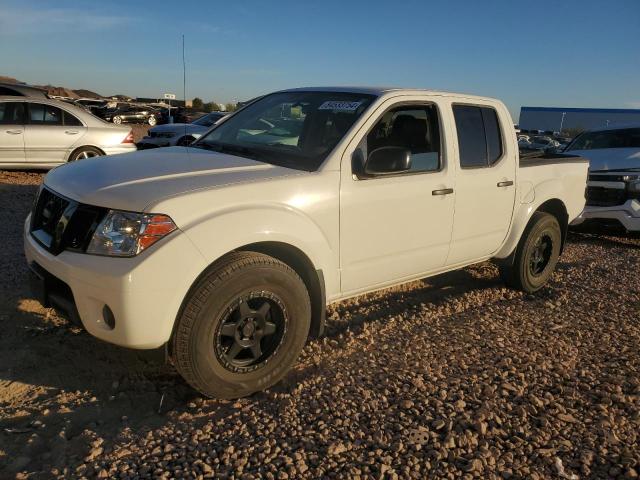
84, 153
117, 120
152, 120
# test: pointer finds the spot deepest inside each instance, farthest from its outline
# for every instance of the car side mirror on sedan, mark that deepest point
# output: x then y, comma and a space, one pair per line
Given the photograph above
388, 161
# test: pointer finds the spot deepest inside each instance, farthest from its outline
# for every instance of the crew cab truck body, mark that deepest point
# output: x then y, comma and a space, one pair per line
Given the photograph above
228, 251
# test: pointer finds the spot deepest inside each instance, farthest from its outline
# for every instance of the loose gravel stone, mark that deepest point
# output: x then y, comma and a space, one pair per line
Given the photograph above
451, 377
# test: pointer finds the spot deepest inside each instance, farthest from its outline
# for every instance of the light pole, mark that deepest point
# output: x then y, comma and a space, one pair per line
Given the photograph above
562, 121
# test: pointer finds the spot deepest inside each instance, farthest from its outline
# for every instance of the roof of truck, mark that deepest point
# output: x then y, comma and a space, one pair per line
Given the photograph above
379, 91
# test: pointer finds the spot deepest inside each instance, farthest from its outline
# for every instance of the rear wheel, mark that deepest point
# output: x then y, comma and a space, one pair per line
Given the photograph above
536, 255
242, 327
84, 152
152, 120
117, 120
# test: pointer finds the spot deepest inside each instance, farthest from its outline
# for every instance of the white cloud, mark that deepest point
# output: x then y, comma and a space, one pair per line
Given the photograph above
32, 20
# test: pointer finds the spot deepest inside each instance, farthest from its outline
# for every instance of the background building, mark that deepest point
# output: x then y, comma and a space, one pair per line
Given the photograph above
557, 119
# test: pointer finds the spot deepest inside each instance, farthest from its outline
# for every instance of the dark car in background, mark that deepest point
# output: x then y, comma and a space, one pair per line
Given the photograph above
130, 114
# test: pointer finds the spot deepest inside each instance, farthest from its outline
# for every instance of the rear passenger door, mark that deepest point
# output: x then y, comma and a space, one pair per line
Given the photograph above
11, 132
50, 133
485, 182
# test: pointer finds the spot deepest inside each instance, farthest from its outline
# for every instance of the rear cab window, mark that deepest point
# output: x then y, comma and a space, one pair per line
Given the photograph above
480, 142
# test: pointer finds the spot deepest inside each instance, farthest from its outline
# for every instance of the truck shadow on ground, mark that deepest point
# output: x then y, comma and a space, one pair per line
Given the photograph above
64, 388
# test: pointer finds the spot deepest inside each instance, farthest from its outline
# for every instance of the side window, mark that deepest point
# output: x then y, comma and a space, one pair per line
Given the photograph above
414, 127
12, 113
40, 114
492, 132
479, 137
70, 120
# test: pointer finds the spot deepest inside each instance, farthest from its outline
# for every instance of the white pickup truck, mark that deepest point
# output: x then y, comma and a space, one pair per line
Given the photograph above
229, 250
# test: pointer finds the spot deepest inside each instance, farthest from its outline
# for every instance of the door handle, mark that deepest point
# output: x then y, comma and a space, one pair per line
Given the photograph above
442, 191
71, 132
14, 132
506, 183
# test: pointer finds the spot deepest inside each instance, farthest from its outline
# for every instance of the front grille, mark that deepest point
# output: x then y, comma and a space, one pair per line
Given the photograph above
605, 197
58, 223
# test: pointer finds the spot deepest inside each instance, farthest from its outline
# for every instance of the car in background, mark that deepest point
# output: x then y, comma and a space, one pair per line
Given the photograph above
545, 143
130, 114
21, 90
613, 186
45, 133
180, 134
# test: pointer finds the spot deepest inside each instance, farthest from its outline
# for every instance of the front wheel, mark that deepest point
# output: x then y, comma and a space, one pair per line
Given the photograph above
117, 120
152, 120
242, 326
536, 255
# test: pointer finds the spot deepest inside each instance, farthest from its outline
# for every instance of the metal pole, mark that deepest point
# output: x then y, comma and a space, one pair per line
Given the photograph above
562, 121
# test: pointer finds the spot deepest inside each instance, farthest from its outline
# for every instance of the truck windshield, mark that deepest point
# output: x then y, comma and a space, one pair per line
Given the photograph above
622, 138
292, 129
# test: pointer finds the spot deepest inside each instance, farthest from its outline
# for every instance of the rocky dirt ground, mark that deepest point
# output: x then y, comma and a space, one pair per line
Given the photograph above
451, 377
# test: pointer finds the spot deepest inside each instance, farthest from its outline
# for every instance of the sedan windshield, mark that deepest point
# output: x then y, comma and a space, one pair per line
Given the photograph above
293, 129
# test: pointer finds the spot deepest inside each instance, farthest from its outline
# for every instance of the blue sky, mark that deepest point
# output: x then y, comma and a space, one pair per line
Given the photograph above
544, 53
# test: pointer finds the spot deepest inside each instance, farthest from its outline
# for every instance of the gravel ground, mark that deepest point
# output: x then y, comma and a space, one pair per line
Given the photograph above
451, 377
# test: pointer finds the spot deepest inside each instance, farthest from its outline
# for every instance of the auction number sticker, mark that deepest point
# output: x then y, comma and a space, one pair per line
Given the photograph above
342, 106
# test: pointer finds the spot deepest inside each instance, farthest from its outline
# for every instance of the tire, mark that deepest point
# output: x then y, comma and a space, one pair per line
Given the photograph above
185, 141
152, 120
225, 309
117, 120
536, 255
83, 153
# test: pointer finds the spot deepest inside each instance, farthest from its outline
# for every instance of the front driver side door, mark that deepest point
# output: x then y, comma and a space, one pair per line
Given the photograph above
395, 227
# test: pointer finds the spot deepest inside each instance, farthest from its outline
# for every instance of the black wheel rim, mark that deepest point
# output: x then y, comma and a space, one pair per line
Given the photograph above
540, 254
250, 332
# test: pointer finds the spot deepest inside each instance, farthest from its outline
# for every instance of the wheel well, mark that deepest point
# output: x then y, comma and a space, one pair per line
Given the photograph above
556, 208
84, 146
313, 279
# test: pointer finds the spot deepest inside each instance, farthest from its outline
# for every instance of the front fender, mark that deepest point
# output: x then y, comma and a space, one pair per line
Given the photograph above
232, 228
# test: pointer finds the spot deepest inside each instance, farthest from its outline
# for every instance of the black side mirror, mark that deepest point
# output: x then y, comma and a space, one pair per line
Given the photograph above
388, 161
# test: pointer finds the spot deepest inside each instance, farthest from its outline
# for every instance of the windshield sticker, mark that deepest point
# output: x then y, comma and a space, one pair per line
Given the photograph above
338, 105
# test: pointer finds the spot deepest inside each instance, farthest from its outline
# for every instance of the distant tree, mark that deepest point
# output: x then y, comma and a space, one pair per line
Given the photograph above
197, 103
231, 107
211, 107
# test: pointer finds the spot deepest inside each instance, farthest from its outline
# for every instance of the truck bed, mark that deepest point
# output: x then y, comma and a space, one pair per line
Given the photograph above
535, 159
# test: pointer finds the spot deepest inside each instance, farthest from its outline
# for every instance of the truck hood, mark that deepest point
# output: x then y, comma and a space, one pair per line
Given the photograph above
610, 158
135, 181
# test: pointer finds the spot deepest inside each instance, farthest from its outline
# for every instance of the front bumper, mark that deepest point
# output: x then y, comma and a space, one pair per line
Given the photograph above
155, 142
122, 148
144, 292
628, 214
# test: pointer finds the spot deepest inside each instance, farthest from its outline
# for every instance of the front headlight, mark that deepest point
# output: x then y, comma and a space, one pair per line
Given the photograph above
126, 234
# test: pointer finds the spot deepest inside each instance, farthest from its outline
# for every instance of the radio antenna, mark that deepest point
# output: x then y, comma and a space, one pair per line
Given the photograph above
184, 75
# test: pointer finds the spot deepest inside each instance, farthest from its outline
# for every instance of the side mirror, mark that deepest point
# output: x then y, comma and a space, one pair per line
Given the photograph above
388, 161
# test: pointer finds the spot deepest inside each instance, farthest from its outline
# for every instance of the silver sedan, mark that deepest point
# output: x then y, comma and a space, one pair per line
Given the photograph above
44, 133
